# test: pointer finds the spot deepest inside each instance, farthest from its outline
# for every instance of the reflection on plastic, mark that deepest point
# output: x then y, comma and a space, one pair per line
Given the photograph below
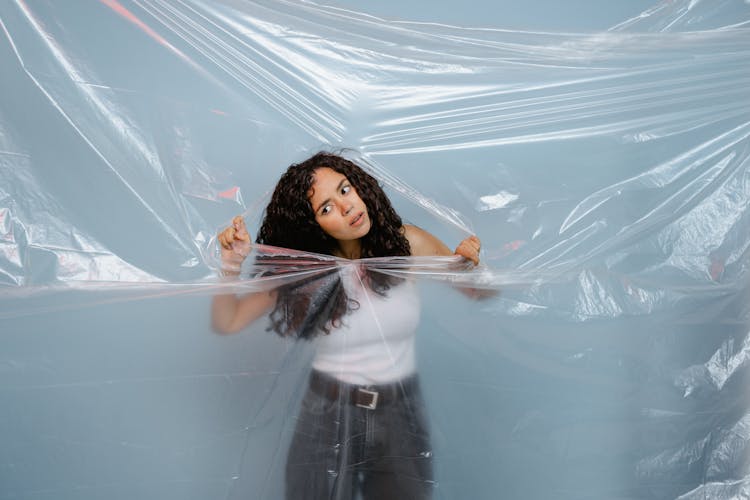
607, 174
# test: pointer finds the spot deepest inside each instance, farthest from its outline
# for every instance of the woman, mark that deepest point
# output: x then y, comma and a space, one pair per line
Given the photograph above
361, 427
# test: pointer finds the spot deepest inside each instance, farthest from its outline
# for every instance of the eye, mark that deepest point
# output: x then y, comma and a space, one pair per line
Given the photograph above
345, 189
325, 210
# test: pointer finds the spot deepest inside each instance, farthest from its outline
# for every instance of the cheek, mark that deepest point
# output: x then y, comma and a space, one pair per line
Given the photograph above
328, 225
366, 207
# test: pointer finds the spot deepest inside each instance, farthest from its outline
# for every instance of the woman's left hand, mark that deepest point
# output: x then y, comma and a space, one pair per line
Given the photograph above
469, 249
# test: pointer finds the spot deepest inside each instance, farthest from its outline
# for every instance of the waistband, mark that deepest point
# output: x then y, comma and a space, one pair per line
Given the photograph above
369, 397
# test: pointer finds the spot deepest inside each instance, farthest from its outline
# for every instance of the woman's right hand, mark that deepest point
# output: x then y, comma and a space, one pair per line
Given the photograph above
235, 246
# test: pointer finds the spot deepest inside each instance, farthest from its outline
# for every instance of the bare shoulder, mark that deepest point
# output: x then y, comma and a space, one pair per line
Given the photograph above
423, 243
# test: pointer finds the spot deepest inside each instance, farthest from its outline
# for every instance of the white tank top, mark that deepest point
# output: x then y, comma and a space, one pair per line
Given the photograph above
375, 343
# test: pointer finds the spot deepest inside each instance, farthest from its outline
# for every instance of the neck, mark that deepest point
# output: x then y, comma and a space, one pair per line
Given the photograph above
351, 249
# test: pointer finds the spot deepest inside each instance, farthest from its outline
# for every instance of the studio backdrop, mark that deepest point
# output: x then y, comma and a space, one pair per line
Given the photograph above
601, 349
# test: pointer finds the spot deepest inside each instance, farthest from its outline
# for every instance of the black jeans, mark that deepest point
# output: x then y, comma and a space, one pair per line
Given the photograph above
340, 449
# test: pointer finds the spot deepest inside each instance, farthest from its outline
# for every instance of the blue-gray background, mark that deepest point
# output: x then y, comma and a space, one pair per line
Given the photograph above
606, 172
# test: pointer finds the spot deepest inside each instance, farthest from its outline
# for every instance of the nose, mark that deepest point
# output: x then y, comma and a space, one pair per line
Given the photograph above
346, 209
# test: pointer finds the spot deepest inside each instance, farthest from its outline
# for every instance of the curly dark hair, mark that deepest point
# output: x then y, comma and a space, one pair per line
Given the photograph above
312, 305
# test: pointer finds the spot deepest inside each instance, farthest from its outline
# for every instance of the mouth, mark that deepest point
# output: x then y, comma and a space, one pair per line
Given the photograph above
358, 220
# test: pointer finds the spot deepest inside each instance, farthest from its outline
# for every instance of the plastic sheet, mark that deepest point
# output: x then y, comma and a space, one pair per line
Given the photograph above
607, 174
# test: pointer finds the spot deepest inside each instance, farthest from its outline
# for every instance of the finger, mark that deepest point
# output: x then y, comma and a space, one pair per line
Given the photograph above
239, 224
465, 251
475, 255
226, 237
473, 242
242, 234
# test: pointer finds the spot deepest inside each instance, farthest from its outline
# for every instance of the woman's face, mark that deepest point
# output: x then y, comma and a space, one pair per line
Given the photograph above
339, 210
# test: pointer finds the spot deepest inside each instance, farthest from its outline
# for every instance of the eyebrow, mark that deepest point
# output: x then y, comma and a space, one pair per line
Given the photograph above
325, 202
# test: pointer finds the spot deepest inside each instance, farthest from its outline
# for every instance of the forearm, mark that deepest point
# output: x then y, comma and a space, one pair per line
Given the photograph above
223, 313
230, 313
478, 293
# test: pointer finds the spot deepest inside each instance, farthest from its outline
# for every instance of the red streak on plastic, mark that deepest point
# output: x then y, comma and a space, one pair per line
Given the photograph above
716, 269
125, 13
230, 193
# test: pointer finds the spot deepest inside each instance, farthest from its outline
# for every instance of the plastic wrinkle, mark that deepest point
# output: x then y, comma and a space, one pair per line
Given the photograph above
600, 349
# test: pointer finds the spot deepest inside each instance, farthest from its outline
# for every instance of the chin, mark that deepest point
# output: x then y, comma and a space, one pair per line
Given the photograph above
362, 232
366, 227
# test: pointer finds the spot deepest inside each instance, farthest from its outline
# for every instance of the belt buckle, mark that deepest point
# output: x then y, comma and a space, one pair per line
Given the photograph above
373, 395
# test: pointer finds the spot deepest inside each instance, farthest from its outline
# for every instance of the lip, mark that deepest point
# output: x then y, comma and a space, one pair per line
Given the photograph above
358, 220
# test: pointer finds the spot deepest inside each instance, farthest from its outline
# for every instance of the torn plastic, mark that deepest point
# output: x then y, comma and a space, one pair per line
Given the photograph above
606, 174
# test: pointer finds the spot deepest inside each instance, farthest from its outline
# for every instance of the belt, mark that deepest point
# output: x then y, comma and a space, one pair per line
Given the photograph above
369, 397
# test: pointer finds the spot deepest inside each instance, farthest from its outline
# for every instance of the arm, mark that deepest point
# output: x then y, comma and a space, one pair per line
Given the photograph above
423, 243
230, 313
